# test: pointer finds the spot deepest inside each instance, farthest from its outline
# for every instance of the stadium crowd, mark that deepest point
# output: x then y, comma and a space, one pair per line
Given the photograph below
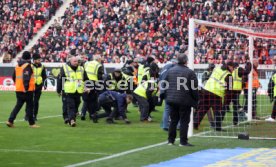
20, 20
123, 29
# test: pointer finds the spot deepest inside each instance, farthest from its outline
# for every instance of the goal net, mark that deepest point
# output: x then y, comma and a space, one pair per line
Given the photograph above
245, 108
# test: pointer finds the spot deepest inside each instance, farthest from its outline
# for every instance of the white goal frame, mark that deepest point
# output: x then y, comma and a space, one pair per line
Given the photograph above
251, 35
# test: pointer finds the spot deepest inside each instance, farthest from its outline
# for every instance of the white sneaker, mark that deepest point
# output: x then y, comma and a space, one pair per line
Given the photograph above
270, 119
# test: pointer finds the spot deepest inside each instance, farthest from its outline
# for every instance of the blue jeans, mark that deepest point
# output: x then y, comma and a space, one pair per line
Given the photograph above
166, 117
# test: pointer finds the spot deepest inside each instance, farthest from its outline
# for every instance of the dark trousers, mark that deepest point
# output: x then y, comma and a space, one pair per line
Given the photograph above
152, 104
106, 103
143, 106
64, 107
37, 94
91, 100
236, 106
21, 99
254, 101
179, 113
84, 108
208, 101
73, 102
234, 97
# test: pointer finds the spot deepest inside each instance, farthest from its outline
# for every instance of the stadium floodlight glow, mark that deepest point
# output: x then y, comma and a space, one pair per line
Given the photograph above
199, 35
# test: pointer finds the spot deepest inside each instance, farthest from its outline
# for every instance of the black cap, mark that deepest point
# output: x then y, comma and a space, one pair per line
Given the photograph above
36, 56
26, 55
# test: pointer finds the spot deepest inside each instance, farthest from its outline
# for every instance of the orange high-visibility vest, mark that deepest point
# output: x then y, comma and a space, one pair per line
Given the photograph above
19, 83
256, 82
135, 78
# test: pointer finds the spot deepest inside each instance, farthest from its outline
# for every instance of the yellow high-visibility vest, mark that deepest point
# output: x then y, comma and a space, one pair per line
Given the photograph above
140, 73
141, 90
274, 80
38, 74
216, 83
92, 69
237, 81
74, 79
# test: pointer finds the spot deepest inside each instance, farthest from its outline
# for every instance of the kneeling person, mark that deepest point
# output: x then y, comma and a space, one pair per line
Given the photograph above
118, 101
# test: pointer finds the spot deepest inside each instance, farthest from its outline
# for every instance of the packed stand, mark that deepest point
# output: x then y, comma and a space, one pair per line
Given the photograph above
123, 29
20, 20
216, 45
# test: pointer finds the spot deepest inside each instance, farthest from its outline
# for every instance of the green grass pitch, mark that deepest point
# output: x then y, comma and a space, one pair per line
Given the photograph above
56, 144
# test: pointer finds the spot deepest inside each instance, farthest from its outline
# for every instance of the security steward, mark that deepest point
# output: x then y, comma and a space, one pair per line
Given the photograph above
272, 95
63, 96
238, 75
151, 70
71, 80
255, 87
130, 72
40, 76
215, 89
143, 93
94, 73
205, 76
115, 81
141, 70
117, 101
24, 87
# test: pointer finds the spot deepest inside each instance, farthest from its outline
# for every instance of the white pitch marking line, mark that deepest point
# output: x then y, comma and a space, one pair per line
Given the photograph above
22, 120
118, 154
137, 150
54, 152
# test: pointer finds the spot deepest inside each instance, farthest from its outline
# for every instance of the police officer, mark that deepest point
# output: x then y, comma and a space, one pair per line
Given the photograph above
117, 101
40, 76
71, 80
24, 87
94, 73
215, 89
272, 95
143, 93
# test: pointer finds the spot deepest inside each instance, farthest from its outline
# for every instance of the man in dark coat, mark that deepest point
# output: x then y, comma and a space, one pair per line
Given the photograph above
181, 96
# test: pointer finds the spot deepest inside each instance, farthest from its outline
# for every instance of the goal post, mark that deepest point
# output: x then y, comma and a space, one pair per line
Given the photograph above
249, 38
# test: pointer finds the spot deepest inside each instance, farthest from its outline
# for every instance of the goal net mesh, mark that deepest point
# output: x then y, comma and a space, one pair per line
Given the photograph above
248, 110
